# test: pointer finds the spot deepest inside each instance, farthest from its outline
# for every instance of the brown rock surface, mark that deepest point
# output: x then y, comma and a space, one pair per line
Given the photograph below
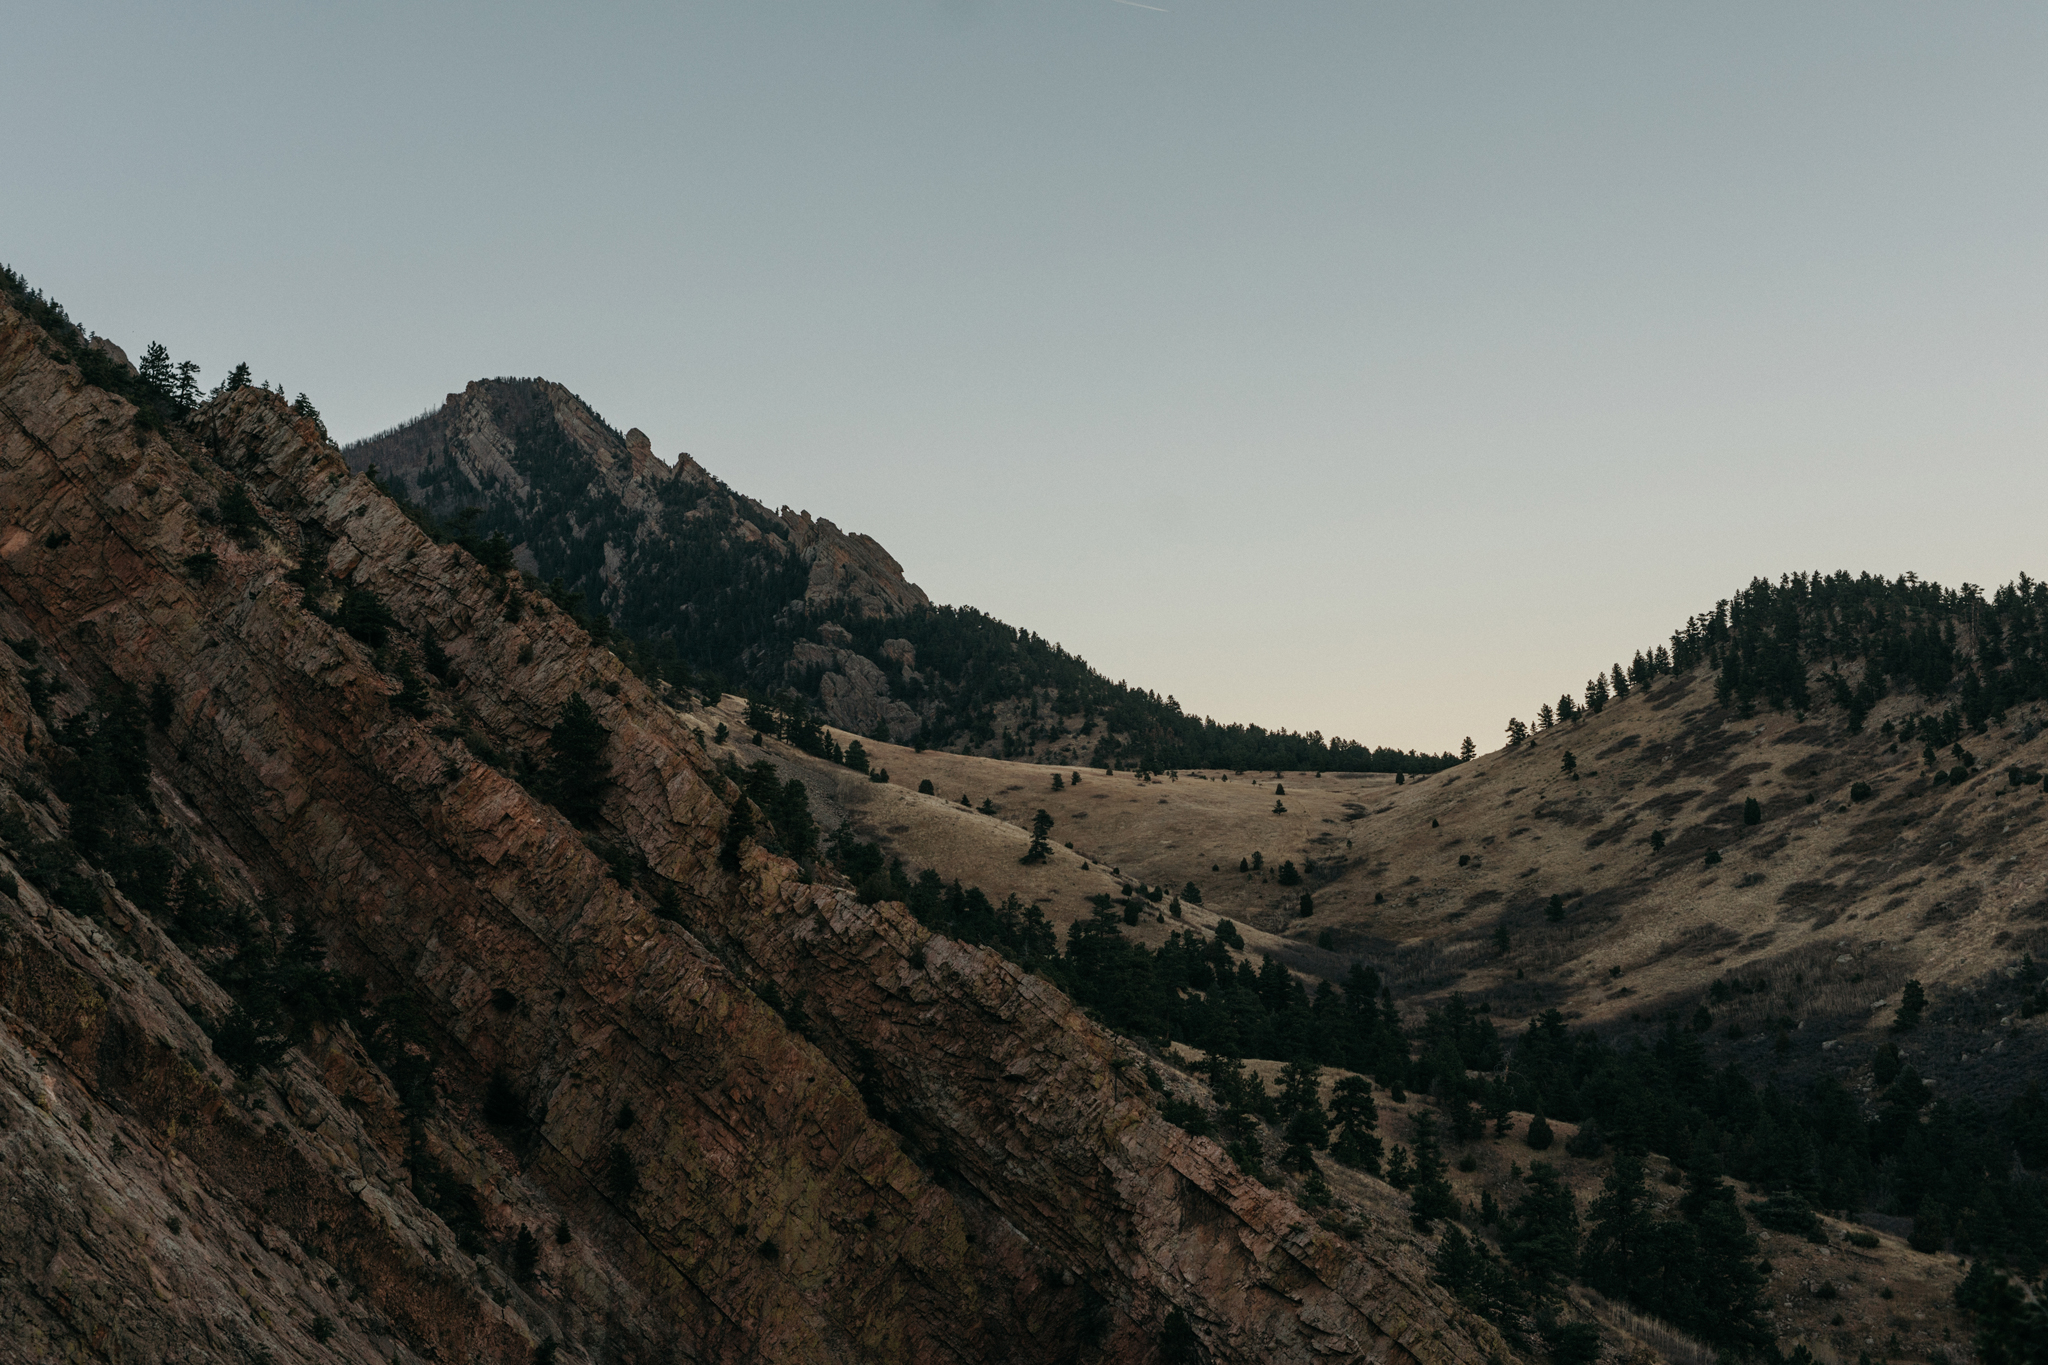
920, 1154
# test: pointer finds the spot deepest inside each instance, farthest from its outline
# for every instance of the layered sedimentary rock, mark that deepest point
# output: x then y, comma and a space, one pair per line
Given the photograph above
739, 1115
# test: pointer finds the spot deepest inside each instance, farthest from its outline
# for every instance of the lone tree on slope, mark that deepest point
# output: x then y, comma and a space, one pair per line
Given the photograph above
1041, 847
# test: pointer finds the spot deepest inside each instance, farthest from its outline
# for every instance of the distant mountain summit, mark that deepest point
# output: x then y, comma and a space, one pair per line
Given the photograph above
715, 587
670, 554
508, 445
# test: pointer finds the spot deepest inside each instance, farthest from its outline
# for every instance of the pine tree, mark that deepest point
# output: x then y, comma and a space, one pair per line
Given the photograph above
1517, 732
1541, 1238
1727, 1280
1041, 846
1545, 717
157, 371
1178, 1344
1431, 1196
1912, 1004
1570, 764
1352, 1108
1620, 1238
525, 1255
577, 772
1538, 1136
1467, 750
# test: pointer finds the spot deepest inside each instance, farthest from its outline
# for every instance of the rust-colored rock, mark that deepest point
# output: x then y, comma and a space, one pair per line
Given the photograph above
919, 1154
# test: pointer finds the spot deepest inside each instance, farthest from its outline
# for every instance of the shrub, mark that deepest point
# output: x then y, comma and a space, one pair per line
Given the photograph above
1859, 791
622, 1175
1186, 1115
1787, 1212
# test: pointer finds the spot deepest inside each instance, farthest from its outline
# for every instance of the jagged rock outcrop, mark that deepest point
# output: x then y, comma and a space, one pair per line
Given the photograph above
659, 548
770, 1122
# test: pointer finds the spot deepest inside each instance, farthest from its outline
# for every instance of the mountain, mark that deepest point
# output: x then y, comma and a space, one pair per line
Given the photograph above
326, 1034
715, 589
1770, 905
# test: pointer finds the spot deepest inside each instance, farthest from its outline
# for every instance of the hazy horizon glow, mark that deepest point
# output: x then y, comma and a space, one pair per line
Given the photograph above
1378, 370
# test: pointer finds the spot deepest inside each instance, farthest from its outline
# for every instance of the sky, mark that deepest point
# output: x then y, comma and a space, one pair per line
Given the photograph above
1376, 369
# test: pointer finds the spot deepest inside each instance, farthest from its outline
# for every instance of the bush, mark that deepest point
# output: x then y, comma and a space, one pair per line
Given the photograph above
924, 788
1539, 1137
1187, 1116
1859, 791
365, 617
502, 1106
622, 1175
1787, 1212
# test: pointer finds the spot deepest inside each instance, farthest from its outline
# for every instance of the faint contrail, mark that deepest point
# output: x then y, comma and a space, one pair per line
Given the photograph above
1135, 5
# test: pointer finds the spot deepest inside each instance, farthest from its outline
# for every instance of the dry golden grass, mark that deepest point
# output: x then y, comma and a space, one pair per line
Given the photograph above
1815, 917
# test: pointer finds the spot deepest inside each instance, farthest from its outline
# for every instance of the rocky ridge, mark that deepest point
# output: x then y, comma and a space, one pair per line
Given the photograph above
584, 502
769, 1122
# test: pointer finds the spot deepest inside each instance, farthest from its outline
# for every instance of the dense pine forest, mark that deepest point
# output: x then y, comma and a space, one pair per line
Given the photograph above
1862, 637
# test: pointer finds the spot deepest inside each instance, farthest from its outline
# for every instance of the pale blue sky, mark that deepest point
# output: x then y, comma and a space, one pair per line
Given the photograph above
1377, 369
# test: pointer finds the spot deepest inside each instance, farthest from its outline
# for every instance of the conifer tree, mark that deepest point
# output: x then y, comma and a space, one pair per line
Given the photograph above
1352, 1108
157, 371
1467, 750
1538, 1136
1431, 1196
1545, 717
1541, 1238
576, 771
1517, 732
1041, 847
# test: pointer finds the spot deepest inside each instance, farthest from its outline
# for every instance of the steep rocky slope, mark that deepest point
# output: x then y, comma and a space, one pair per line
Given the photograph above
647, 1102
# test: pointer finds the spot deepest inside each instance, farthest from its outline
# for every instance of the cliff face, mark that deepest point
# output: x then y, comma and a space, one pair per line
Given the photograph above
766, 1122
